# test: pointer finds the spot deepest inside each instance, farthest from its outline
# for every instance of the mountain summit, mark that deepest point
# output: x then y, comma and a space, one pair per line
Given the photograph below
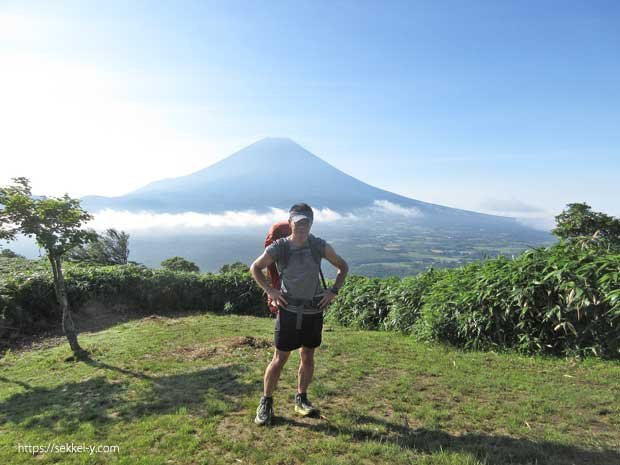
273, 172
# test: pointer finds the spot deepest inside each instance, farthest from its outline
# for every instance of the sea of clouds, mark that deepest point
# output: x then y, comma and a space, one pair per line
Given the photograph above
193, 222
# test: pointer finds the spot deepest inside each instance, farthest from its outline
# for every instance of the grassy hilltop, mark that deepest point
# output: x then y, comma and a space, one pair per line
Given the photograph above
184, 390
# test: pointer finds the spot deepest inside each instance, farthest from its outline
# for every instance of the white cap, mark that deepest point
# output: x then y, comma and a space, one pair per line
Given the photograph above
300, 216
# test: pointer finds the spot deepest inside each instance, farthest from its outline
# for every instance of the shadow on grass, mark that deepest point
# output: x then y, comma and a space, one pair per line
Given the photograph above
489, 449
100, 400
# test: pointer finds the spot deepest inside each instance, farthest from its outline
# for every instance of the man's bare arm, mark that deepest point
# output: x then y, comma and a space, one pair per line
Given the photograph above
338, 262
343, 269
256, 269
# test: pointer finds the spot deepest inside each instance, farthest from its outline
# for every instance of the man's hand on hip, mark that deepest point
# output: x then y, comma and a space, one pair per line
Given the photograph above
276, 296
328, 296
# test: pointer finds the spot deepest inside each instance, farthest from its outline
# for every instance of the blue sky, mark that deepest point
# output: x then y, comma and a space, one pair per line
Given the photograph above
500, 107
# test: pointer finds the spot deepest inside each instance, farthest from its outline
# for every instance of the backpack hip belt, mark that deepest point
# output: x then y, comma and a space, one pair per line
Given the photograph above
301, 305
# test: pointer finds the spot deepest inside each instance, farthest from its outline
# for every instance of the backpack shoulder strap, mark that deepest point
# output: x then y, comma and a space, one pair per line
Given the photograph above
315, 248
285, 253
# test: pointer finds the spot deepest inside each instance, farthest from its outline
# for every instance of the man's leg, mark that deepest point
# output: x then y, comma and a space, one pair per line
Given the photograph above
306, 369
311, 339
264, 411
272, 373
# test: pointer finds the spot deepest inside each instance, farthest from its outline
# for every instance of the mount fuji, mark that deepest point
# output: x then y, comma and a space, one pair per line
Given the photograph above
275, 172
390, 234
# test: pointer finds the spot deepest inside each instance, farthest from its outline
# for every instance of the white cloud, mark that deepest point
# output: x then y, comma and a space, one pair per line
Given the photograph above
192, 222
327, 215
508, 207
388, 207
525, 213
543, 223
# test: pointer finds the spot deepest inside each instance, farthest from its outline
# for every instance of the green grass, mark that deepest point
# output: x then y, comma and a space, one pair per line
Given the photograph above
185, 390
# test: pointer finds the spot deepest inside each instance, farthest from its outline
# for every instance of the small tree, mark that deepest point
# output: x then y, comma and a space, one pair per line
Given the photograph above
55, 223
578, 220
115, 246
8, 253
91, 252
179, 264
111, 248
237, 266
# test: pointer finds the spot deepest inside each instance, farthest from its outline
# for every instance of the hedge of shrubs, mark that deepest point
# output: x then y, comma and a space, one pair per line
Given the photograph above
564, 299
28, 303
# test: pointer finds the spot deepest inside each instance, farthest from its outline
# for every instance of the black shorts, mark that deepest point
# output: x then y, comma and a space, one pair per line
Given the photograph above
287, 338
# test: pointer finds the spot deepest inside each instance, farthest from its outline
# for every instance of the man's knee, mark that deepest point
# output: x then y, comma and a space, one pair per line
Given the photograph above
307, 355
280, 357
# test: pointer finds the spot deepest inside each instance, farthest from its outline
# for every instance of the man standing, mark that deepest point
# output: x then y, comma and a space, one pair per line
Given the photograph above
301, 301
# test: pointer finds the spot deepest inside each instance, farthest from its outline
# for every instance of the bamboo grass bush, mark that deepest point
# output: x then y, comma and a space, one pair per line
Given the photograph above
562, 300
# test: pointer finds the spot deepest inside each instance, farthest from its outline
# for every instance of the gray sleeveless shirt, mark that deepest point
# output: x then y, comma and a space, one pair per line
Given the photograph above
301, 277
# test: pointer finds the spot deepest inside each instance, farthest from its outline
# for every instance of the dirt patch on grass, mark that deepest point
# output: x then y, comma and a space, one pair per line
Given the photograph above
246, 341
220, 346
161, 319
238, 426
